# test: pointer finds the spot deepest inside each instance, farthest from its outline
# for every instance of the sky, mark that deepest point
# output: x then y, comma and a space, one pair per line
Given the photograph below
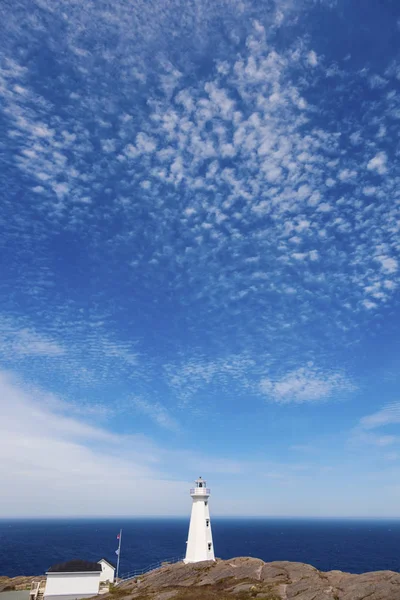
200, 257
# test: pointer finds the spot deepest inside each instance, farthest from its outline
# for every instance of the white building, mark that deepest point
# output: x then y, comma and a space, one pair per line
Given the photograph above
107, 571
73, 580
200, 544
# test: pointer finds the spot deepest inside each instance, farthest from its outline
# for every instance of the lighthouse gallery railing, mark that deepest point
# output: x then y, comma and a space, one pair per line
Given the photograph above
200, 491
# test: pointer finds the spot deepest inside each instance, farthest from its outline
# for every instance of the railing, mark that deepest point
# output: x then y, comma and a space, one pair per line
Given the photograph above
153, 567
35, 589
200, 491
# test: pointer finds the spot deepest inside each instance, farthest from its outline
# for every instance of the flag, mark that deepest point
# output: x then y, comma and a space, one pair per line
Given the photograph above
117, 552
118, 536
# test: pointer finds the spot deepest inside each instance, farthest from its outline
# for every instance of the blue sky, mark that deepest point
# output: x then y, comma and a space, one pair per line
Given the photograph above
200, 257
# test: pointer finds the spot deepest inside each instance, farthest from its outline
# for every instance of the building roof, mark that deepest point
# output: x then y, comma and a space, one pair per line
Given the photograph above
107, 562
75, 566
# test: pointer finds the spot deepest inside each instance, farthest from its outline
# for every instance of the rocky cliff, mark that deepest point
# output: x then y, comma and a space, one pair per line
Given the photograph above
247, 578
18, 583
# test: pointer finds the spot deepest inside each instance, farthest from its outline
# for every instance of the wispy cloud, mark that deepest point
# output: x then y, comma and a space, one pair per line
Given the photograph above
26, 342
389, 415
368, 429
306, 384
158, 413
79, 351
52, 452
187, 377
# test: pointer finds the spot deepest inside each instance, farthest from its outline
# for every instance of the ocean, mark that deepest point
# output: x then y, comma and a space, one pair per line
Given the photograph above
30, 547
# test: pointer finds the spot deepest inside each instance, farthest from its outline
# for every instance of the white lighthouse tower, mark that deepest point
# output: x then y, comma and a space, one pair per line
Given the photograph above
200, 544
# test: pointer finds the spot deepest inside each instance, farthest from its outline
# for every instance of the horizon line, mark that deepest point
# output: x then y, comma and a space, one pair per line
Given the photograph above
215, 516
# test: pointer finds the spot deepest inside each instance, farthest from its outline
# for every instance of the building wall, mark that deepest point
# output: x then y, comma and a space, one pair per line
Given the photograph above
15, 595
74, 584
200, 535
107, 573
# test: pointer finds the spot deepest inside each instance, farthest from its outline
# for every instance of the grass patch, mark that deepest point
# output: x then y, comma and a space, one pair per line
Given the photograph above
116, 592
211, 593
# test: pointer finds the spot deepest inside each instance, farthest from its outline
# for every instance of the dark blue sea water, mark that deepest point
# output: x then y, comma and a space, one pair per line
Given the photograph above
30, 547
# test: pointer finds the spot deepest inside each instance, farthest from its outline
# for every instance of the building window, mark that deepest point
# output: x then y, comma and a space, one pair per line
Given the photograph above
209, 546
205, 503
208, 522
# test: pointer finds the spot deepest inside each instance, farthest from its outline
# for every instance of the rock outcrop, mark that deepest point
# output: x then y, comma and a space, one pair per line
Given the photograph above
18, 583
247, 578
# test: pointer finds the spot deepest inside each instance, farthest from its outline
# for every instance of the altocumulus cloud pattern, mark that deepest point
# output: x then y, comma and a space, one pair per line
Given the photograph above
200, 235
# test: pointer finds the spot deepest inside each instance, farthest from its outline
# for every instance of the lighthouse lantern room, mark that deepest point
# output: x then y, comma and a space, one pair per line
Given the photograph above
200, 544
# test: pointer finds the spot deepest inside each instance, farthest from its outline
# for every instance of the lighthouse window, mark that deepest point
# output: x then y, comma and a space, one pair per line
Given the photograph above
209, 546
205, 503
200, 485
208, 522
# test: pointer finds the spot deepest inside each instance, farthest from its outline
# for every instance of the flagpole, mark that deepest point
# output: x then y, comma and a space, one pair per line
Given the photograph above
119, 551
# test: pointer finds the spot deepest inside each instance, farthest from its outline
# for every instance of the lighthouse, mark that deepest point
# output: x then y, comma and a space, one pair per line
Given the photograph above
200, 544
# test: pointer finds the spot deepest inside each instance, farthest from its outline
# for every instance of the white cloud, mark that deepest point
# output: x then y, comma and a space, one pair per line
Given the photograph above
379, 441
66, 463
369, 305
386, 440
60, 189
190, 376
145, 143
108, 145
305, 384
24, 341
186, 133
369, 190
378, 163
376, 81
299, 255
389, 415
347, 175
392, 456
155, 411
389, 264
365, 431
324, 207
312, 58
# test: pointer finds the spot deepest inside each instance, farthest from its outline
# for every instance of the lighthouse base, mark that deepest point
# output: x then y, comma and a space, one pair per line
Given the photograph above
186, 561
